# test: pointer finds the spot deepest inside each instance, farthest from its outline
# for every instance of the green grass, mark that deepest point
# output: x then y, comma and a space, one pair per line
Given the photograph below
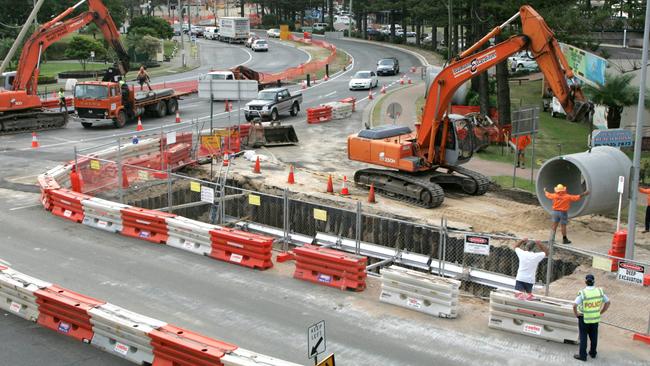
521, 183
555, 134
53, 68
168, 47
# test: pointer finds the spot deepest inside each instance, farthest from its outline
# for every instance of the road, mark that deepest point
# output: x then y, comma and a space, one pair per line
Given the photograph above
267, 312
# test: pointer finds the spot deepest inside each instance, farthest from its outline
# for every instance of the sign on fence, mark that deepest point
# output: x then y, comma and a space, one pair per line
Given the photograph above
195, 186
525, 121
253, 199
320, 215
171, 137
476, 244
207, 194
617, 137
630, 272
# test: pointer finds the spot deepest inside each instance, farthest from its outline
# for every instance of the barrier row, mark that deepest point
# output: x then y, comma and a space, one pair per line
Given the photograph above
319, 114
113, 329
303, 69
330, 267
340, 110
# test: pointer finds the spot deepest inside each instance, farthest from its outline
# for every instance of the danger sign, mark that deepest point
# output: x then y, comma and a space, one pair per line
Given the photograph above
630, 272
476, 244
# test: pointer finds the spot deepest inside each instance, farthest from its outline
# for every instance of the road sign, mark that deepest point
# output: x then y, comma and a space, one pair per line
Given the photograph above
328, 361
316, 339
525, 121
476, 244
617, 137
630, 272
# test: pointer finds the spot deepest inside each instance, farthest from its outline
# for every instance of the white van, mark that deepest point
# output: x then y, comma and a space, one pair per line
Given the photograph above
210, 33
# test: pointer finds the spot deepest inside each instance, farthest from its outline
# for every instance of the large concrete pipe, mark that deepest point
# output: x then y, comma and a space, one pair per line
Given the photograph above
597, 171
459, 96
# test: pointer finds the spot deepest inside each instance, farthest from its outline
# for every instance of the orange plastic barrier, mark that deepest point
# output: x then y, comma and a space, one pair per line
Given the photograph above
178, 155
67, 204
351, 100
330, 267
47, 184
240, 247
66, 312
145, 224
174, 346
319, 114
618, 247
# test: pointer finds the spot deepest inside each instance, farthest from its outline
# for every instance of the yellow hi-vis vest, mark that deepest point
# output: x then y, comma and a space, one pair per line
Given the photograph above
592, 303
61, 95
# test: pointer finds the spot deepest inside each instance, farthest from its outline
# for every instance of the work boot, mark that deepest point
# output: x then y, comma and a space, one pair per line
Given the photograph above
577, 357
566, 240
592, 355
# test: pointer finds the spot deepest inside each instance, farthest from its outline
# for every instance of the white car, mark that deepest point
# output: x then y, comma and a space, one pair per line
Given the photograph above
363, 80
250, 40
319, 26
260, 45
523, 63
274, 32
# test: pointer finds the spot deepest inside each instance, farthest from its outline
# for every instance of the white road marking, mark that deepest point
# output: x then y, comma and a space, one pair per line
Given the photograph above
22, 207
330, 94
250, 56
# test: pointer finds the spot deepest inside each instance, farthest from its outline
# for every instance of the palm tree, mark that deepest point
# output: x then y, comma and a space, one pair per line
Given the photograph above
616, 94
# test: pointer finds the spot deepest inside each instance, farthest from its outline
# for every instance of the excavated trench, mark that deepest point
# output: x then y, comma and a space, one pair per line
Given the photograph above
404, 235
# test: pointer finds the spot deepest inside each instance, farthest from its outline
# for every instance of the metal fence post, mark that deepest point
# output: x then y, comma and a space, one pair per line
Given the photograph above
75, 158
357, 236
549, 263
120, 173
170, 202
162, 149
444, 246
222, 203
440, 241
285, 221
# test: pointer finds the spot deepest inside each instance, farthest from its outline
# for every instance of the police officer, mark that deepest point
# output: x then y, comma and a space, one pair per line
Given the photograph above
62, 103
590, 303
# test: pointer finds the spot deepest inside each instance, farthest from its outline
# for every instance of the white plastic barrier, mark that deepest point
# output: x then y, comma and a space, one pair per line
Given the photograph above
433, 295
190, 235
17, 293
543, 317
103, 214
123, 333
242, 357
340, 110
61, 174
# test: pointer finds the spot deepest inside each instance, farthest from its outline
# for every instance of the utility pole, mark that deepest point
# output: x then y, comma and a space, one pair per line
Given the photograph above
180, 24
350, 19
638, 138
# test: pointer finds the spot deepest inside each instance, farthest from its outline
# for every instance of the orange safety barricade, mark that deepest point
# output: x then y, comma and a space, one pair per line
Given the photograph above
319, 114
48, 184
67, 204
330, 267
174, 346
178, 155
145, 224
351, 100
239, 247
66, 312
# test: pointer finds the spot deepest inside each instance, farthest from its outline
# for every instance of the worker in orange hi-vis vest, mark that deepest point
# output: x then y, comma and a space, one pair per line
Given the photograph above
561, 204
647, 209
521, 142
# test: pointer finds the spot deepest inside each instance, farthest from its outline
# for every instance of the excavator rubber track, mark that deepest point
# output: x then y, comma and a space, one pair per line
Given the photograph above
481, 182
31, 121
414, 189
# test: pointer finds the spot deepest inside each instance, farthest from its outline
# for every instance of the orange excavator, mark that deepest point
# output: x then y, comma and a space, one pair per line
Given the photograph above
21, 108
424, 162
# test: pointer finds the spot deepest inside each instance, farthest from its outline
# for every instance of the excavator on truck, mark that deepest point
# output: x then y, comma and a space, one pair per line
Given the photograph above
21, 108
421, 163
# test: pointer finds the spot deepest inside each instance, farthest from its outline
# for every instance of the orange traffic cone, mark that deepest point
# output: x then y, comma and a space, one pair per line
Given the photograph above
325, 78
256, 168
139, 128
330, 186
371, 194
35, 143
410, 82
304, 84
227, 106
344, 188
75, 180
125, 179
178, 117
383, 89
370, 97
291, 179
401, 80
226, 159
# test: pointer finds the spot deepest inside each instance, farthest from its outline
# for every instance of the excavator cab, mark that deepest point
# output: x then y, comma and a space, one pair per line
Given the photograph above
8, 79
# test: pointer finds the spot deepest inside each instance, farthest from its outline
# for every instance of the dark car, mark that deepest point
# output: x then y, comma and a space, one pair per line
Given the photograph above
388, 66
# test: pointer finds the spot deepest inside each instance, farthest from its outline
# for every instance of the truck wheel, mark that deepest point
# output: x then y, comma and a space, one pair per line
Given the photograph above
274, 115
161, 109
120, 120
86, 124
172, 106
294, 109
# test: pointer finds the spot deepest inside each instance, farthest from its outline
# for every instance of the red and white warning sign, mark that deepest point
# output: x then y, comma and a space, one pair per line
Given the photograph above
476, 244
630, 272
532, 329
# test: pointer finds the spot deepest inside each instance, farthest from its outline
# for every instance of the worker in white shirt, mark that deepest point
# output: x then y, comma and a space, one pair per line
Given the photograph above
528, 261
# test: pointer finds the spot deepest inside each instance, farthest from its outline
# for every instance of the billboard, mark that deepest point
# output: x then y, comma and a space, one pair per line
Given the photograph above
586, 66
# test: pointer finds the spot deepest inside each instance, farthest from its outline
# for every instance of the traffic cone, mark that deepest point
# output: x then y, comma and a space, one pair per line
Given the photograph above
325, 78
75, 180
226, 107
412, 68
178, 117
401, 80
226, 159
410, 82
291, 179
35, 143
125, 179
304, 85
256, 168
370, 95
330, 186
139, 128
383, 89
371, 194
344, 188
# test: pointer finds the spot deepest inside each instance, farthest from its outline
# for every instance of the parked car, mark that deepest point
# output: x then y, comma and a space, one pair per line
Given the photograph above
388, 66
260, 45
372, 32
271, 102
363, 80
273, 32
251, 39
523, 62
210, 33
319, 26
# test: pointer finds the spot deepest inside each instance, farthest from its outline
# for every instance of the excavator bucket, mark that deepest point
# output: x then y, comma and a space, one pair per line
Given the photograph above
271, 135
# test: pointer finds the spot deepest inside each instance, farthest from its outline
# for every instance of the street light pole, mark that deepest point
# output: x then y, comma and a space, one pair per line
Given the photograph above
180, 25
631, 222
